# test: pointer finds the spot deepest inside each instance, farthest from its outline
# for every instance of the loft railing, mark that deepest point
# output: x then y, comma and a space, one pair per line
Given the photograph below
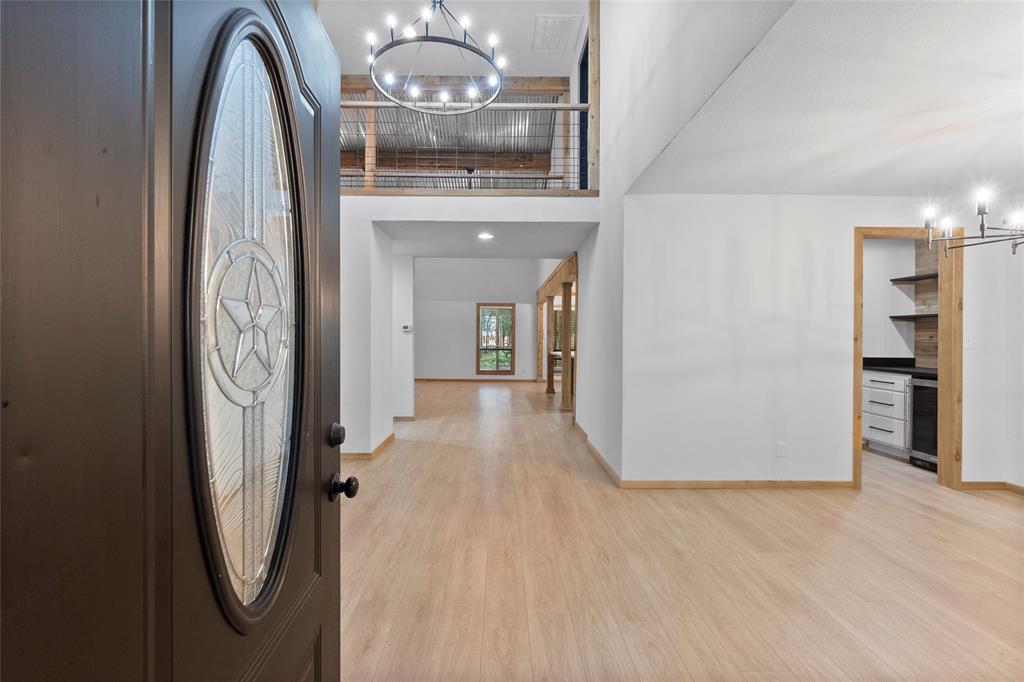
527, 143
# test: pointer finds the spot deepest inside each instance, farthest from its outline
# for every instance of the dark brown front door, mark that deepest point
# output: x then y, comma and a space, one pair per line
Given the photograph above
170, 342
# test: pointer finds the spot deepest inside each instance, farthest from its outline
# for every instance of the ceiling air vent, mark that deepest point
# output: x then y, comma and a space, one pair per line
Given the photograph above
556, 32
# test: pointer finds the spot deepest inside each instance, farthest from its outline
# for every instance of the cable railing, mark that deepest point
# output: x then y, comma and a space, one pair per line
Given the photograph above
523, 144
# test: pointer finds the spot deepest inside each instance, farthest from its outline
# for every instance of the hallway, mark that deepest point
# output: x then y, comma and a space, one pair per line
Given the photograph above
487, 543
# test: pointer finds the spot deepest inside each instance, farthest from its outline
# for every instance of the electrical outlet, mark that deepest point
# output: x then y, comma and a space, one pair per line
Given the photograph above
779, 449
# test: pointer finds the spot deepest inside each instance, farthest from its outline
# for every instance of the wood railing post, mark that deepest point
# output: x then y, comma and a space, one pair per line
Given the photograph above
566, 346
370, 155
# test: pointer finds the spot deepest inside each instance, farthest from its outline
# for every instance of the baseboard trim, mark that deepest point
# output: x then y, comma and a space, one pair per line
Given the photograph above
706, 485
992, 485
405, 419
366, 456
596, 454
735, 485
481, 380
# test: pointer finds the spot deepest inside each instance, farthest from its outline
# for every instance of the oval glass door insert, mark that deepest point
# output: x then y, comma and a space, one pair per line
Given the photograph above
247, 316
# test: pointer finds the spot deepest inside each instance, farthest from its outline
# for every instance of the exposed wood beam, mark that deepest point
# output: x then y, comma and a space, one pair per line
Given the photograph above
481, 161
566, 271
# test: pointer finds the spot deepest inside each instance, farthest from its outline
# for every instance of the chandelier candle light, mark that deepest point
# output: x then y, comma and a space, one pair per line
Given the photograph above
436, 95
1012, 230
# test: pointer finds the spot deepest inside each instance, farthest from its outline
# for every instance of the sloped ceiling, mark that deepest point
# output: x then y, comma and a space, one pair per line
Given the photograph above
863, 98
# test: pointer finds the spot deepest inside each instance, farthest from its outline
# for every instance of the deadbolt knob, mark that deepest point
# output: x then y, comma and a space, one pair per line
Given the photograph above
336, 435
349, 487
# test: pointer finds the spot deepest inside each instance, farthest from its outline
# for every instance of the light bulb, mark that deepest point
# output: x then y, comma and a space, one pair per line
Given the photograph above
371, 37
947, 226
464, 22
492, 40
983, 195
369, 59
492, 81
414, 91
1017, 219
444, 97
409, 32
485, 236
389, 78
929, 217
501, 62
427, 13
392, 22
472, 93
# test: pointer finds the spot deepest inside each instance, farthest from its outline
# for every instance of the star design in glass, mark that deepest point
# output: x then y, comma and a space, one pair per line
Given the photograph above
253, 317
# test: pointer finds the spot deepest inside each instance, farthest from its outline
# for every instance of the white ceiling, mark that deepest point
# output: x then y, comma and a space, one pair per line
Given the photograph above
863, 98
459, 239
347, 22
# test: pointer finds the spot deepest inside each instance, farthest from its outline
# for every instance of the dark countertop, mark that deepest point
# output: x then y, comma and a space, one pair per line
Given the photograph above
916, 372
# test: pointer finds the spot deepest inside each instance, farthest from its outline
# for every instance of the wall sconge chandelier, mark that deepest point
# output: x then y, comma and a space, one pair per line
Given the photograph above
401, 82
1012, 230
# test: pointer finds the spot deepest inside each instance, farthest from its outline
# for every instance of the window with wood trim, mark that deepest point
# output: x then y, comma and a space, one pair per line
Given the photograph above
496, 338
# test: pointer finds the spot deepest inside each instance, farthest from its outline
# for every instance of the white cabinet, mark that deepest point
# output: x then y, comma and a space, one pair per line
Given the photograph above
885, 409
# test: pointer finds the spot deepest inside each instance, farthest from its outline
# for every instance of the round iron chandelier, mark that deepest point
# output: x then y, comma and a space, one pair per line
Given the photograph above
401, 69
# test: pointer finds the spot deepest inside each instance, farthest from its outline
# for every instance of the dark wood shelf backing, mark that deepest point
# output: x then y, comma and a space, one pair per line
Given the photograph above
915, 317
910, 279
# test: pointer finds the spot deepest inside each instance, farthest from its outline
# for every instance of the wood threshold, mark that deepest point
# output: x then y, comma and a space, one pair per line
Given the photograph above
405, 419
366, 456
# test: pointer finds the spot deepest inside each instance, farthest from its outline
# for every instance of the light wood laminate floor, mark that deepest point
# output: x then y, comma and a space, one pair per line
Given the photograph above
487, 544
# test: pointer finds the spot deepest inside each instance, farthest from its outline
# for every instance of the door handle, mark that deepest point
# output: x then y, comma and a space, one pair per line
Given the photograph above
336, 435
349, 487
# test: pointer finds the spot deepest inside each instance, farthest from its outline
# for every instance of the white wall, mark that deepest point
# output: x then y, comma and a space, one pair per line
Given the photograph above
660, 61
885, 259
740, 336
993, 371
382, 325
447, 291
403, 342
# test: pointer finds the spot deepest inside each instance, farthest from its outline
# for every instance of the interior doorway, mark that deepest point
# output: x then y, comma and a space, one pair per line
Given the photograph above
884, 410
557, 325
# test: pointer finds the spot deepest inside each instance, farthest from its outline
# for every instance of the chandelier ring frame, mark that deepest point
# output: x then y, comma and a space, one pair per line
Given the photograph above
455, 110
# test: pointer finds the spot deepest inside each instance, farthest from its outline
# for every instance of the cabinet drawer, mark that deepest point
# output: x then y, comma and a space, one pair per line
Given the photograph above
886, 381
884, 430
884, 403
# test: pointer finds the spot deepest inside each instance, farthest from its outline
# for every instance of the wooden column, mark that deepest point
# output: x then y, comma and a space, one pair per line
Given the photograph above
550, 306
540, 340
370, 156
566, 346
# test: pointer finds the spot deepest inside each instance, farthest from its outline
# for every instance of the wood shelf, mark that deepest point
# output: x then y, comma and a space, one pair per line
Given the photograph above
910, 279
915, 317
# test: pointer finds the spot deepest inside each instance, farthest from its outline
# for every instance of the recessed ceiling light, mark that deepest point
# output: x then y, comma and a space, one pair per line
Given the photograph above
485, 236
